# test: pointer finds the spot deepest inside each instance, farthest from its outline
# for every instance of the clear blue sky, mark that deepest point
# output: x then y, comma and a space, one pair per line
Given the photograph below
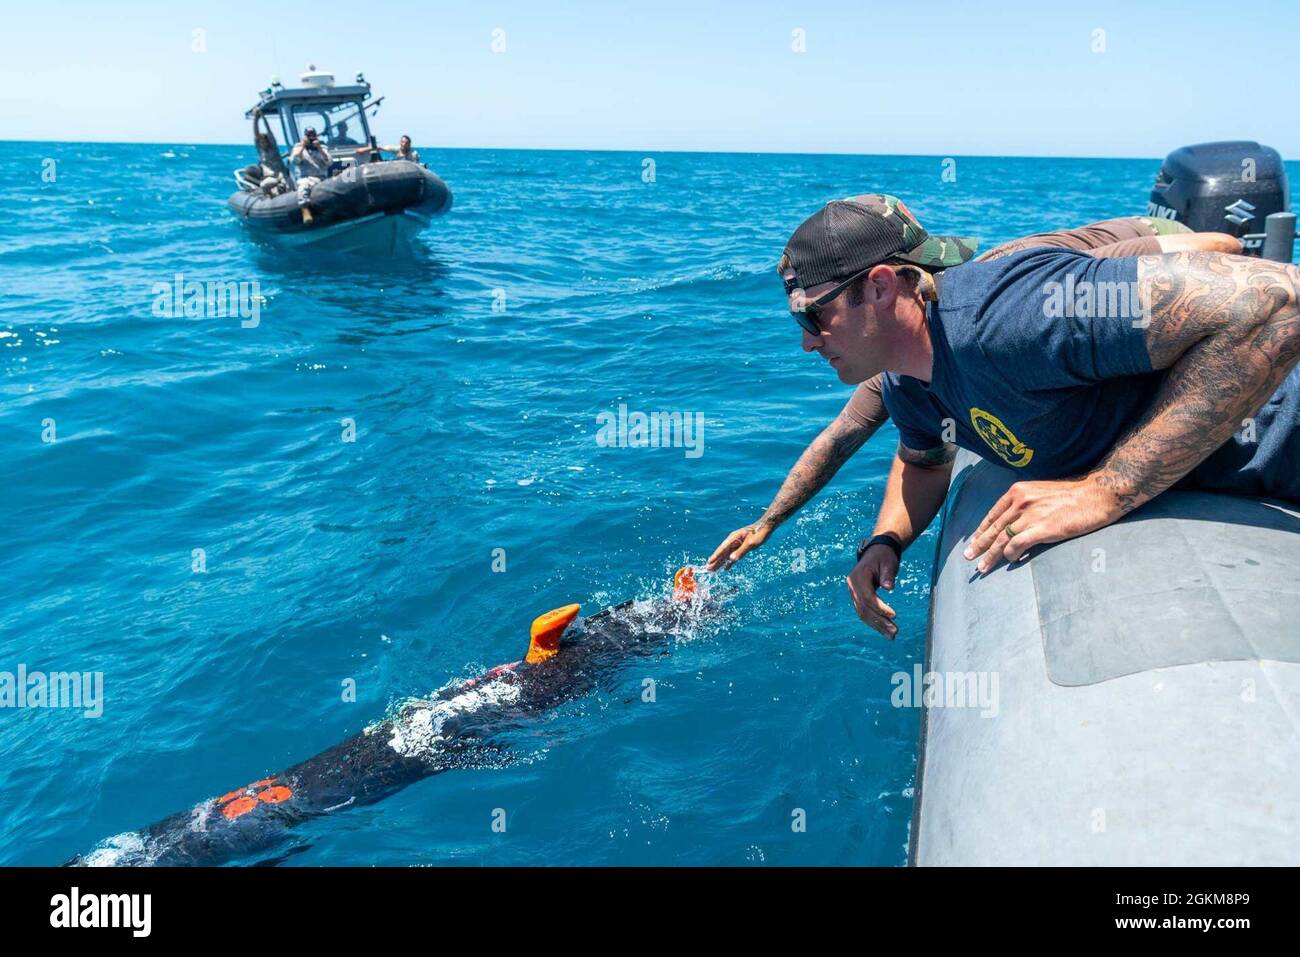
936, 77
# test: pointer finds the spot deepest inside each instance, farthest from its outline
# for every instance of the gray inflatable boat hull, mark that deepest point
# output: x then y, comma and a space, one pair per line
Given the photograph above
1147, 690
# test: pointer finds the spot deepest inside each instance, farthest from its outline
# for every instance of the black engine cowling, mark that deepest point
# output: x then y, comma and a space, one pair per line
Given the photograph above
1228, 187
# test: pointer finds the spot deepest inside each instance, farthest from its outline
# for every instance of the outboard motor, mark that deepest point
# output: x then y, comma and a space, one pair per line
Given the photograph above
1229, 187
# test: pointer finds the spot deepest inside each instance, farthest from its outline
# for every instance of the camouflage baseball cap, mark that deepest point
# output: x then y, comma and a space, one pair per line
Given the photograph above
849, 236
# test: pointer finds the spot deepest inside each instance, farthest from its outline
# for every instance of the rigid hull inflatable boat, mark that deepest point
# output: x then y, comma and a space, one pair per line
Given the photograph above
361, 203
1147, 674
1148, 689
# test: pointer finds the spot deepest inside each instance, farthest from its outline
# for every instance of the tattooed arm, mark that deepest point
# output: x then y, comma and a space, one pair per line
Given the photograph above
817, 466
1227, 329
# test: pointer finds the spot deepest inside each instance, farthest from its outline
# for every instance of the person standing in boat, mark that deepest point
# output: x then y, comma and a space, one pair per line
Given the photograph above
401, 151
310, 157
312, 161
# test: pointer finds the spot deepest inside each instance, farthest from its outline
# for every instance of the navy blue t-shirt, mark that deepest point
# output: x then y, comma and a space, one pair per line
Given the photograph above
1040, 364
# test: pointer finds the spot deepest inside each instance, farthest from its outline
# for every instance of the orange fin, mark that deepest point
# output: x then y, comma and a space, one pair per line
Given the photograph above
239, 802
546, 631
684, 584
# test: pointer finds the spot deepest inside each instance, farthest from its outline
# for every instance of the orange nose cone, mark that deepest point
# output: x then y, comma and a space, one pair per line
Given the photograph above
684, 584
546, 631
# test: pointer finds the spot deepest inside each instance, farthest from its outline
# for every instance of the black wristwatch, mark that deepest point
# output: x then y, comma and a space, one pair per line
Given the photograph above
883, 539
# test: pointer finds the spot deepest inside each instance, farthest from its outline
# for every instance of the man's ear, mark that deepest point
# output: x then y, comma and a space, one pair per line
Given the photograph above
883, 285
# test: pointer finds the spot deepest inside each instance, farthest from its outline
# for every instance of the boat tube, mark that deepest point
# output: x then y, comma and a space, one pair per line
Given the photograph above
360, 192
1146, 686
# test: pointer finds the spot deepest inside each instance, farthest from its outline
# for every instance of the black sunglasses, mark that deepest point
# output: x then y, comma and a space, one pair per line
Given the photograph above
809, 317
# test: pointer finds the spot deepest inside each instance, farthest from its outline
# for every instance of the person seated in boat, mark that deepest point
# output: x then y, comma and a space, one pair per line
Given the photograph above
274, 185
401, 151
257, 177
341, 137
268, 174
865, 411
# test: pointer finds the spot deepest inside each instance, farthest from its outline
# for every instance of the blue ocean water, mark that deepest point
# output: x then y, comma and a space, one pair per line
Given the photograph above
476, 428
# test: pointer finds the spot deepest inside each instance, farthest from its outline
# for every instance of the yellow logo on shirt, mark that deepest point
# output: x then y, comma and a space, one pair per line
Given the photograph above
1000, 439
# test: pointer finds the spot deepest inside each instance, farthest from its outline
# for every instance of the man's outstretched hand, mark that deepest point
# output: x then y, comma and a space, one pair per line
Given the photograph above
736, 545
1036, 513
877, 569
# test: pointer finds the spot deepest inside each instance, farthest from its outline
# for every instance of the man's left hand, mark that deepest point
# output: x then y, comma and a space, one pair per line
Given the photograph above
1035, 513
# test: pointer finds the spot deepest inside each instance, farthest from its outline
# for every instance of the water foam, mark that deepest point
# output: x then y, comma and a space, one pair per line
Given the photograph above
417, 728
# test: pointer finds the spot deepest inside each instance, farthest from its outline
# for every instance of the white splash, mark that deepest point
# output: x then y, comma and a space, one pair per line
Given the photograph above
417, 729
124, 848
200, 814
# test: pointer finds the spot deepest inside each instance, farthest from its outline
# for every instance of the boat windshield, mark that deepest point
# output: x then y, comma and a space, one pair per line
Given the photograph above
338, 124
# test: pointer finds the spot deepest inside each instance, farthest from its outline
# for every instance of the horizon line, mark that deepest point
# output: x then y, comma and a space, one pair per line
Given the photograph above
644, 152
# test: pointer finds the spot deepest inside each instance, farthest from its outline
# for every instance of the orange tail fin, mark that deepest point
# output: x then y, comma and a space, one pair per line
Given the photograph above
684, 584
546, 631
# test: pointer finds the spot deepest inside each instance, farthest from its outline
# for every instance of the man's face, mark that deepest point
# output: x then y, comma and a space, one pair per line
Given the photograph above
850, 338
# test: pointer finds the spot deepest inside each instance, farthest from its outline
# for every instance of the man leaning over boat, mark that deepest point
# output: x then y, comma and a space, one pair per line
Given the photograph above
865, 412
1099, 403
